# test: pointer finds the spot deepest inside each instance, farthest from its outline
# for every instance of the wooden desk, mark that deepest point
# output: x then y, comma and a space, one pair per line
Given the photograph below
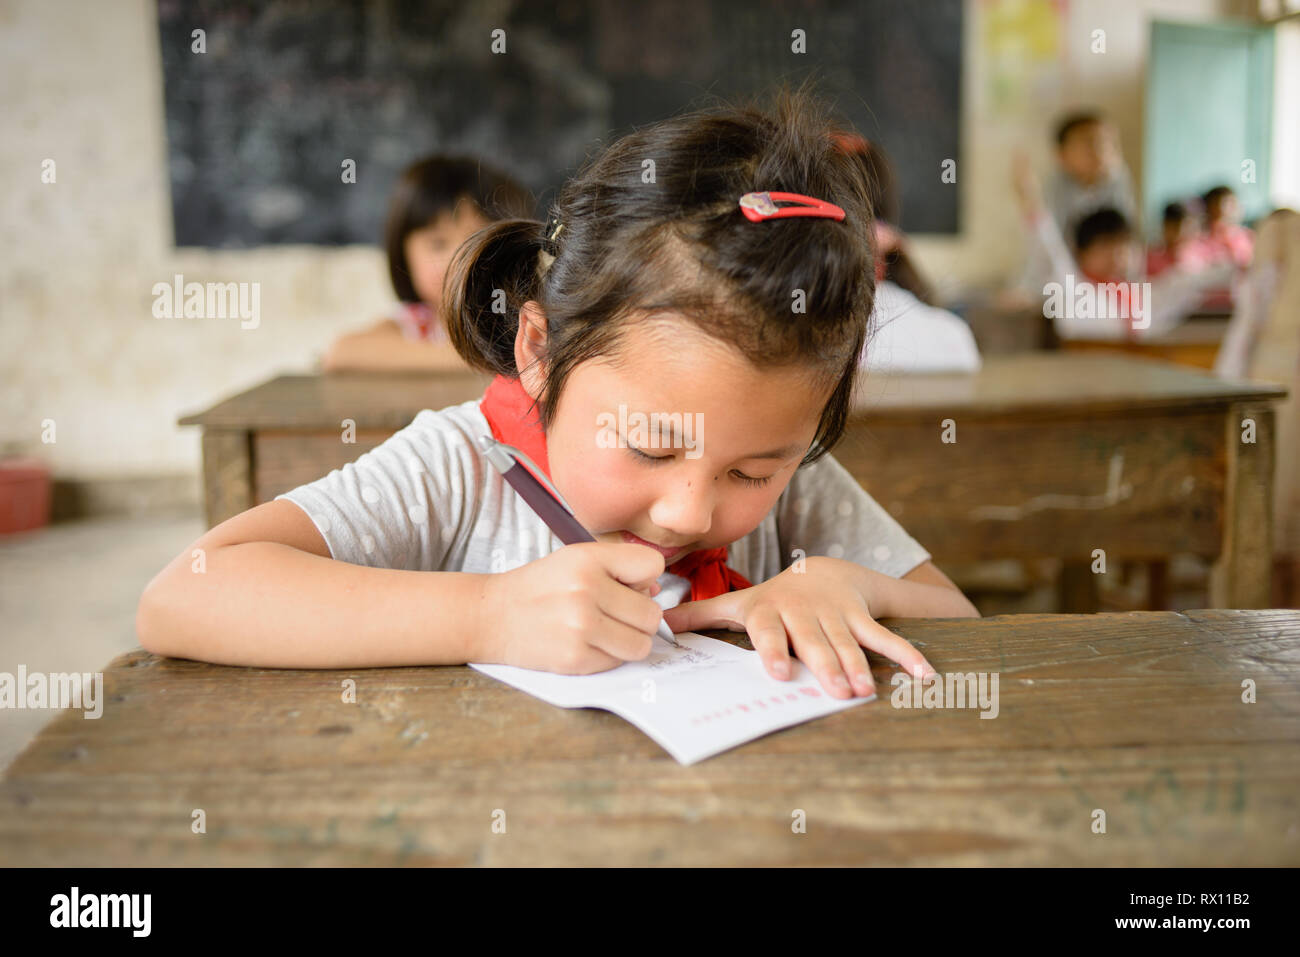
1058, 455
1139, 715
1194, 343
290, 430
1039, 437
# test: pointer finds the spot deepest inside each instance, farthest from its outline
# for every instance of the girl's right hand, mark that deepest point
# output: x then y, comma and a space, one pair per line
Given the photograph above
582, 609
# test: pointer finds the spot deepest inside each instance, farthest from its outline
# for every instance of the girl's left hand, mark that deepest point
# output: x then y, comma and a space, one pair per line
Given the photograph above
825, 611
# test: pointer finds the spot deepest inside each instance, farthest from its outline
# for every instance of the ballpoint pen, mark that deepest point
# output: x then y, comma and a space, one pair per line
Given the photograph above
544, 499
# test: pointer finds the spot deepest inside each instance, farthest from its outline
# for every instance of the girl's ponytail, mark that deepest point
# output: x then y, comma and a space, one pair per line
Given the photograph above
490, 277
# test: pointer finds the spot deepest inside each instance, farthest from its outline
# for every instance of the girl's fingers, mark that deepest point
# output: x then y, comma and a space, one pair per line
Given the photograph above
852, 660
871, 634
767, 635
633, 565
814, 650
620, 641
721, 611
628, 606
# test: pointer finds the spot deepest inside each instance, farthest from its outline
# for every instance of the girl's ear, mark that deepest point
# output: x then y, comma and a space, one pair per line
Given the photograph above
530, 348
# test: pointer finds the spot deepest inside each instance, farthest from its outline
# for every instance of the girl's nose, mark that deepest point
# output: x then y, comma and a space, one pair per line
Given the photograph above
685, 509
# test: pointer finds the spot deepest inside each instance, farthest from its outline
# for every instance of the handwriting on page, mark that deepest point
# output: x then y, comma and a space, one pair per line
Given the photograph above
672, 662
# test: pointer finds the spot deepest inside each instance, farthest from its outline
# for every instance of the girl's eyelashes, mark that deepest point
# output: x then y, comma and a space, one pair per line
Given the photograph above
747, 479
649, 458
753, 482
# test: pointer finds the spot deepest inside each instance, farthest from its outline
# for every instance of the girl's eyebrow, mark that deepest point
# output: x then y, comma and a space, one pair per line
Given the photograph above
784, 452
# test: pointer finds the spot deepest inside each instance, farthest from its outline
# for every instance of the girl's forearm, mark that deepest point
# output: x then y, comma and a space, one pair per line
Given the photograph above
265, 604
909, 599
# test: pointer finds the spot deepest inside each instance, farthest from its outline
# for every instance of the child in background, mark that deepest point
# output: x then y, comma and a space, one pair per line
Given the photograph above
1180, 243
1225, 239
437, 204
1106, 258
1263, 343
1090, 173
647, 298
909, 332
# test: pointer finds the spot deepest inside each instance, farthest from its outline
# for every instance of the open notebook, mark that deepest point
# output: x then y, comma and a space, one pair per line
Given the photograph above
696, 701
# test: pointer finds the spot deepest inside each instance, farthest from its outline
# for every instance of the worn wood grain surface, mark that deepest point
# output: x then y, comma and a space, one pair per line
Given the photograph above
1139, 715
1040, 385
386, 400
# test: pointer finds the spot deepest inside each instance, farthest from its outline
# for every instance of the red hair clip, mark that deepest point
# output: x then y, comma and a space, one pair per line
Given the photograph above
760, 206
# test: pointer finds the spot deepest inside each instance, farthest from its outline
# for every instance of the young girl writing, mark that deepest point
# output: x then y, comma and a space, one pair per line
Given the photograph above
436, 205
651, 293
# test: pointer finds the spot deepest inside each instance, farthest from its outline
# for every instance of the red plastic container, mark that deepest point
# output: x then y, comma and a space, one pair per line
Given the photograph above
24, 495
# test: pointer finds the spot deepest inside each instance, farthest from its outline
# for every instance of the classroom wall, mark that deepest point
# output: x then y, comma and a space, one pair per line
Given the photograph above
79, 257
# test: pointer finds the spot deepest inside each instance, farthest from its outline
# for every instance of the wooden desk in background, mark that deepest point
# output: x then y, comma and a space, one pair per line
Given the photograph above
290, 430
1194, 343
1056, 455
1138, 715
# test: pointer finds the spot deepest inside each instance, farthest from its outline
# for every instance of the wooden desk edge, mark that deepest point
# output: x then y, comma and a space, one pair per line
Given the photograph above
128, 659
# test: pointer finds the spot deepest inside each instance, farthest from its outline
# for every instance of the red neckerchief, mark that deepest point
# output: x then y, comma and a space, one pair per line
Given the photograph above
1121, 298
513, 419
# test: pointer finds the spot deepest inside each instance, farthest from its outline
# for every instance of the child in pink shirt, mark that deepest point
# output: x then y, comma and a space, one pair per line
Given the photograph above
1181, 246
437, 204
1225, 238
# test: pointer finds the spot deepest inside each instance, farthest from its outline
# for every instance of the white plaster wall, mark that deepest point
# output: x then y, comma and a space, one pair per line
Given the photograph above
81, 83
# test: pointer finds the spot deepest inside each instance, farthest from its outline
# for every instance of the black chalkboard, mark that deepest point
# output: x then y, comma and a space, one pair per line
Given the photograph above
260, 124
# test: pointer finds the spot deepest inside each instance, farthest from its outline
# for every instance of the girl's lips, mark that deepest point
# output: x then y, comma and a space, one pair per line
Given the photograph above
667, 553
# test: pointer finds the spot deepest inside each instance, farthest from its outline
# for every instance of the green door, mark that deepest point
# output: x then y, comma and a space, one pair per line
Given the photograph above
1208, 117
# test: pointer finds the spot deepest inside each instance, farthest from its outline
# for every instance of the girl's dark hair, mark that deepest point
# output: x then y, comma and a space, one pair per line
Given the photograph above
433, 186
653, 225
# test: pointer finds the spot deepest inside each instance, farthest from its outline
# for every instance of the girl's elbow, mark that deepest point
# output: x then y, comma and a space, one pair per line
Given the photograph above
146, 630
151, 620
